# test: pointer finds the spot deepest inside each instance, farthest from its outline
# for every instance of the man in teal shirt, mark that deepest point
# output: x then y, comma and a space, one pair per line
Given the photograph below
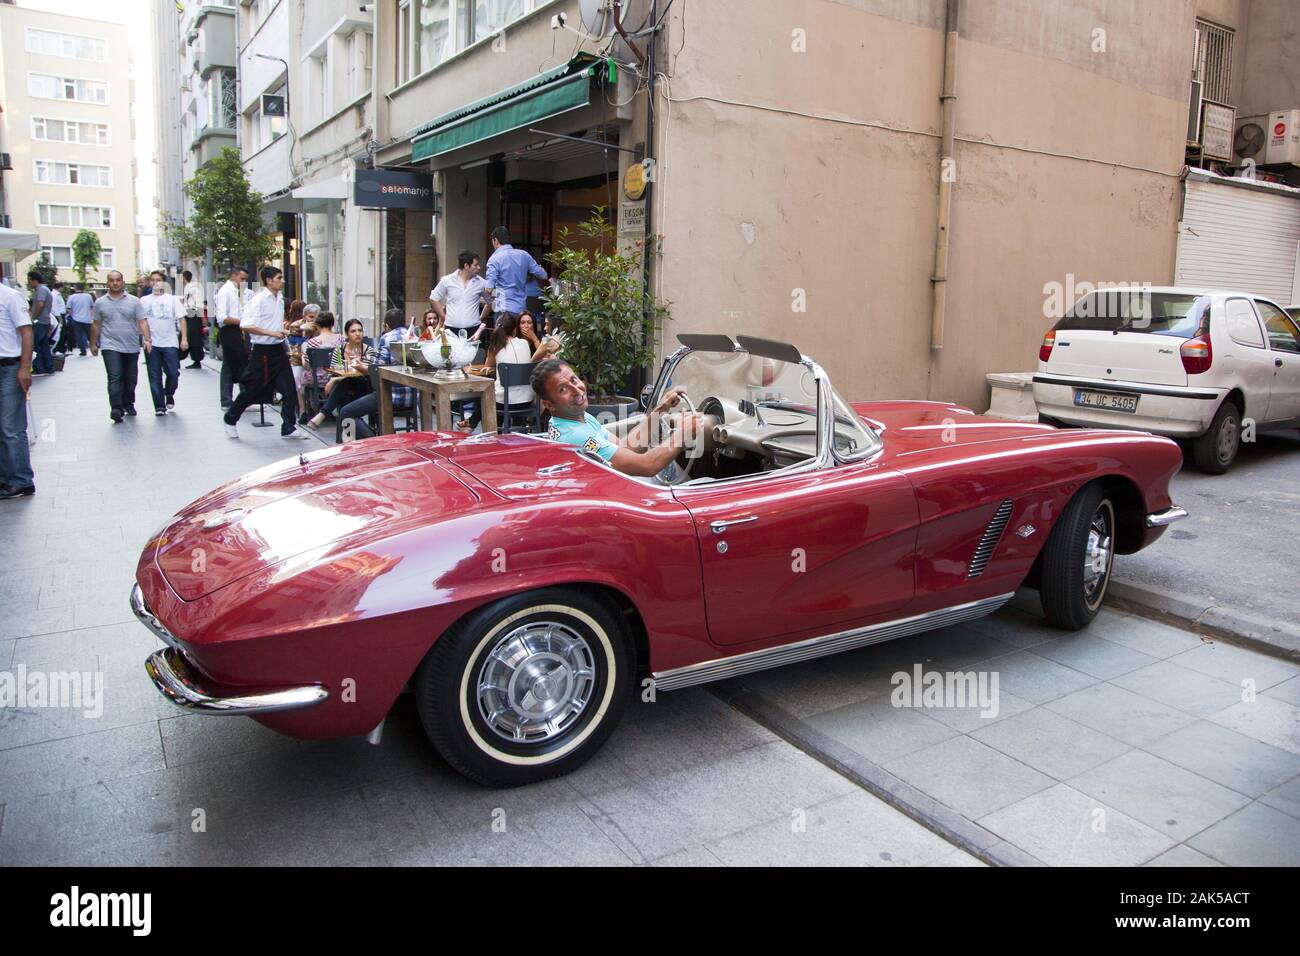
564, 395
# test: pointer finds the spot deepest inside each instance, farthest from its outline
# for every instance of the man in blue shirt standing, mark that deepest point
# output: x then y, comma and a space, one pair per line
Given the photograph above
508, 272
564, 395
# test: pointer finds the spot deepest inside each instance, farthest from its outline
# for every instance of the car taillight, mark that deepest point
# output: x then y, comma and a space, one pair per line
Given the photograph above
1197, 355
1045, 350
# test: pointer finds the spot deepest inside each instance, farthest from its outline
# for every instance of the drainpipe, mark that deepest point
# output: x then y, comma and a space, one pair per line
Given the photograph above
948, 104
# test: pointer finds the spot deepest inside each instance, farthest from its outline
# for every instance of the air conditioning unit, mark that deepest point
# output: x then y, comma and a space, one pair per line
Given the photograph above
1248, 140
1283, 138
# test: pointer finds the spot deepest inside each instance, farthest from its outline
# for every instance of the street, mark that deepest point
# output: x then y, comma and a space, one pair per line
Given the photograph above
1132, 742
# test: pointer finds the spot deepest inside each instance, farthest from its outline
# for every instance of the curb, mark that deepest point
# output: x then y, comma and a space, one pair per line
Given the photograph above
965, 834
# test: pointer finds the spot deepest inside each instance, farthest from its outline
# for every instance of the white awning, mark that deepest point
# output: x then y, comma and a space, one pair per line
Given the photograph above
334, 188
12, 241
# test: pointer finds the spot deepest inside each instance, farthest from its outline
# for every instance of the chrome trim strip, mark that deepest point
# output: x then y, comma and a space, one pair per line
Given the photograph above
1124, 388
738, 664
178, 682
1161, 518
147, 618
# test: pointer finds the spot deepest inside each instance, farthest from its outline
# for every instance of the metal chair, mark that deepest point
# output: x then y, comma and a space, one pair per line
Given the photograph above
516, 374
316, 360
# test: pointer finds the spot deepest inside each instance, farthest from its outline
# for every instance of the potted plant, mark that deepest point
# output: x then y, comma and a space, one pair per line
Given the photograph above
607, 315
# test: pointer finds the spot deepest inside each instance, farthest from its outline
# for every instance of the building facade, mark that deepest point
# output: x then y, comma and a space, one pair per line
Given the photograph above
66, 91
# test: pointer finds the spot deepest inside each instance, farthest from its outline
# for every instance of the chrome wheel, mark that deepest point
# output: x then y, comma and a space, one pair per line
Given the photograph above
1098, 553
1226, 440
536, 682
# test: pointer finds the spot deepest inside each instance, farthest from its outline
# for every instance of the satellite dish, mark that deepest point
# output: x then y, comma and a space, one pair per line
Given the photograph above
597, 17
1249, 140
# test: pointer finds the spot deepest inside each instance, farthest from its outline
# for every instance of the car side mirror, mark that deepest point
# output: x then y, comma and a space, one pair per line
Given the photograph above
646, 392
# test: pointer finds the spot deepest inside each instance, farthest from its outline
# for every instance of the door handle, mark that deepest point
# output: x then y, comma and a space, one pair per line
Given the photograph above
720, 526
1277, 362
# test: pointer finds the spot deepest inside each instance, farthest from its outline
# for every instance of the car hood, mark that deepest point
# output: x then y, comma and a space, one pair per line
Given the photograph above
530, 468
339, 495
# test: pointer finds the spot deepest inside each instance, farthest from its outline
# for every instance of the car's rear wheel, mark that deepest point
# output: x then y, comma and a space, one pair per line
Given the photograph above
1216, 450
527, 687
1077, 560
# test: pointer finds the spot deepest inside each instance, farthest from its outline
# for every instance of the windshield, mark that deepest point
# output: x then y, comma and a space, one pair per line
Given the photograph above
1137, 310
766, 389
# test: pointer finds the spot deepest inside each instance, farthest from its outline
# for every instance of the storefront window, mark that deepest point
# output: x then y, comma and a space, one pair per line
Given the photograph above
317, 257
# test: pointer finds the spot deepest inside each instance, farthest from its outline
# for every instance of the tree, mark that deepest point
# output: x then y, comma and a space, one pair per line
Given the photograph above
49, 272
86, 252
608, 316
227, 221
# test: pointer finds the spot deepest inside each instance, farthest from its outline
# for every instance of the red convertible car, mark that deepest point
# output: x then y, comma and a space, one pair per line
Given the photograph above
524, 590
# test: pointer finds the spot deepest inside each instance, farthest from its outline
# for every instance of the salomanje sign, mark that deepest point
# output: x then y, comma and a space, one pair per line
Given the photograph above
392, 189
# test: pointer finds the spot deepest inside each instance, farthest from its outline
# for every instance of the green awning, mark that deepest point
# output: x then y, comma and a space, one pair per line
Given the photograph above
548, 94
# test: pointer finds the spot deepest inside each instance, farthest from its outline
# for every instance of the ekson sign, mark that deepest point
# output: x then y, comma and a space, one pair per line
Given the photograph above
393, 189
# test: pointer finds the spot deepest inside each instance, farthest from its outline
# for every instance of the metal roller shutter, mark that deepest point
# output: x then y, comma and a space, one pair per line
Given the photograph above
1239, 237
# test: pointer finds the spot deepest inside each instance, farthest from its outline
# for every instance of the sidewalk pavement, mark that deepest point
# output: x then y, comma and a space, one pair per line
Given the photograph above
1230, 568
685, 780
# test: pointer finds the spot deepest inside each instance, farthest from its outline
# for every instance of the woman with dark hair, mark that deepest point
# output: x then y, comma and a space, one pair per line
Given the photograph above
508, 347
429, 326
347, 383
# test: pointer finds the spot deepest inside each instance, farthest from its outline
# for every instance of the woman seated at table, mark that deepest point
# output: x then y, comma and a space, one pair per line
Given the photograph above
429, 326
510, 345
349, 379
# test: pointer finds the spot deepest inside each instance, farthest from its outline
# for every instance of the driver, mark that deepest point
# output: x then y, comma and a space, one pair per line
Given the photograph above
564, 395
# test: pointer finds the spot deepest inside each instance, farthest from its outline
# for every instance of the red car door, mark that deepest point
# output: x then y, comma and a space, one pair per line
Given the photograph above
804, 554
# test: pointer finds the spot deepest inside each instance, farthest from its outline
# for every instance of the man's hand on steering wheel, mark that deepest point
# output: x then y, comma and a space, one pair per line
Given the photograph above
671, 398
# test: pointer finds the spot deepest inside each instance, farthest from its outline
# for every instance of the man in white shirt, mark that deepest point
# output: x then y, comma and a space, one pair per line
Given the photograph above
59, 309
80, 304
165, 314
457, 299
268, 369
193, 302
16, 340
231, 299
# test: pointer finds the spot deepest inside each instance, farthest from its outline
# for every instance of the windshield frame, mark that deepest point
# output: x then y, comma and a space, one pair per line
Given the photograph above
826, 455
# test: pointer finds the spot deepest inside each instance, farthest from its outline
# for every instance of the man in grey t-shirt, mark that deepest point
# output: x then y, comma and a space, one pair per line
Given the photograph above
42, 312
119, 329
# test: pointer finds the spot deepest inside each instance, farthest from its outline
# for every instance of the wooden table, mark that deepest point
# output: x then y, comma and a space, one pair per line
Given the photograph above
435, 393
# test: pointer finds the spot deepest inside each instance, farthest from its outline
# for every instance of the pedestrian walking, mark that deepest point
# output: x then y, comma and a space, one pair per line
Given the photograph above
231, 300
118, 331
80, 304
193, 302
166, 317
508, 272
268, 370
16, 478
42, 313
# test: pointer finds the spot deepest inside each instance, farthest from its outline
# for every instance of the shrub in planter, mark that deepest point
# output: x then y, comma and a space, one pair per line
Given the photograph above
607, 315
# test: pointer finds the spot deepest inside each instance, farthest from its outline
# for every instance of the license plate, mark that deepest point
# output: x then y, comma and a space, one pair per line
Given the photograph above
1107, 400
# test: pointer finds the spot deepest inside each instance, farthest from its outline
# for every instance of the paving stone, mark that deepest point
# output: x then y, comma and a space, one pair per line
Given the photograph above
853, 830
1256, 835
1119, 713
972, 778
1234, 760
1063, 827
970, 719
1165, 797
1266, 719
1180, 687
1181, 856
1150, 637
695, 856
1035, 678
1235, 664
1094, 656
1285, 798
880, 731
75, 762
1288, 690
1048, 742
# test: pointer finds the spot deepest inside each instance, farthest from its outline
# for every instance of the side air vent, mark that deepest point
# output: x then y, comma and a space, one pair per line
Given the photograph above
992, 534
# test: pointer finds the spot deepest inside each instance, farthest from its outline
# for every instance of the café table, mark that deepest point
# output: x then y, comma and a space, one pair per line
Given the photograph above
435, 395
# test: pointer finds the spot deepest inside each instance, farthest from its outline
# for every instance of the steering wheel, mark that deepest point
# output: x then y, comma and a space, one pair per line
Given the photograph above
687, 461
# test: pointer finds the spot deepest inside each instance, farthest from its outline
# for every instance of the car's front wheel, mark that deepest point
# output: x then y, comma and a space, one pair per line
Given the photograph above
527, 687
1077, 560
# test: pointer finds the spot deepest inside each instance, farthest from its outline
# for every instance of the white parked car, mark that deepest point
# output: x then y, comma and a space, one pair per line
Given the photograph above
1191, 364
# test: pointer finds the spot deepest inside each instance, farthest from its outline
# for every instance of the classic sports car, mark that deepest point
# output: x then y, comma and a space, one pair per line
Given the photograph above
524, 590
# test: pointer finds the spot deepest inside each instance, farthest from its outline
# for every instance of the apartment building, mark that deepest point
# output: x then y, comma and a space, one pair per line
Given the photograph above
66, 91
195, 67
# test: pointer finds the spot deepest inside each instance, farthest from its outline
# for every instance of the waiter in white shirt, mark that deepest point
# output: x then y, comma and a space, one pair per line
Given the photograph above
457, 299
231, 299
268, 369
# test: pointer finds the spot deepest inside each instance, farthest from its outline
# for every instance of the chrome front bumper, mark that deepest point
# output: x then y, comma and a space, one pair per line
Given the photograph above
1161, 518
185, 686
